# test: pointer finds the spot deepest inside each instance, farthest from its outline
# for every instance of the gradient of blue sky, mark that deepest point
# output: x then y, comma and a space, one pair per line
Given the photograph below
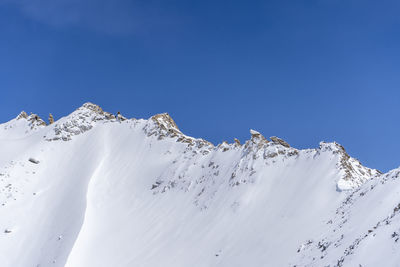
303, 70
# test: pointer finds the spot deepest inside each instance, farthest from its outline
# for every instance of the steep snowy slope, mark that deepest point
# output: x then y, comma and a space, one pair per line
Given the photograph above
94, 189
364, 231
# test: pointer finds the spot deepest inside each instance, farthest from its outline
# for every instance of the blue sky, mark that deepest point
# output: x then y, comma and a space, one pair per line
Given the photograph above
305, 71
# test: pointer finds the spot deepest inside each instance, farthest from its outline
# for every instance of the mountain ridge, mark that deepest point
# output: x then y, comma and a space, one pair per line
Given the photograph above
163, 120
82, 118
103, 190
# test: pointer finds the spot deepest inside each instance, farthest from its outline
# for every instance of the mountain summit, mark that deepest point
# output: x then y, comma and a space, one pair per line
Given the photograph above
97, 189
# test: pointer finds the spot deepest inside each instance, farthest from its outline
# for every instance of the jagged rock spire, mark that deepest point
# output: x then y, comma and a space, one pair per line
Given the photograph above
22, 115
120, 117
257, 136
237, 142
51, 118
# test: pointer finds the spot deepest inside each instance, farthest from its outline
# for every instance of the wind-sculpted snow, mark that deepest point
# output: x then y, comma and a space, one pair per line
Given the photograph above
98, 189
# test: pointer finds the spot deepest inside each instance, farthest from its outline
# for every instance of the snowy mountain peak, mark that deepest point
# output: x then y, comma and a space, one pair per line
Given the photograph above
93, 107
332, 146
81, 120
96, 109
21, 126
163, 126
134, 192
33, 119
257, 137
165, 122
255, 134
353, 172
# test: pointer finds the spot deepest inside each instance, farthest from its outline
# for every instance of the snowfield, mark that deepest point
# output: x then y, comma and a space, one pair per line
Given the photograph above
95, 189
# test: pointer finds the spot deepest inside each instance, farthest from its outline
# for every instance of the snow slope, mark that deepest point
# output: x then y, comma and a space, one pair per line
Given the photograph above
94, 189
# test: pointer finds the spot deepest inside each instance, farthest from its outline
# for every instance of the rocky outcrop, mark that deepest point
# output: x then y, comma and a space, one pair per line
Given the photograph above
224, 146
97, 110
257, 135
22, 115
33, 119
163, 126
22, 126
353, 172
257, 140
279, 141
78, 122
51, 119
237, 142
165, 122
120, 117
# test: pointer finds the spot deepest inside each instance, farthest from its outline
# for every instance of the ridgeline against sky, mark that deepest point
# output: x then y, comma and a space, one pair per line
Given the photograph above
305, 71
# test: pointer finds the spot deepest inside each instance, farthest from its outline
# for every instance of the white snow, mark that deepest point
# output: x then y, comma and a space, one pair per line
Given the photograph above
254, 132
113, 192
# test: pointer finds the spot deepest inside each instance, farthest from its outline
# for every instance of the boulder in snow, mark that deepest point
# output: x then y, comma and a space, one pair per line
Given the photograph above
35, 161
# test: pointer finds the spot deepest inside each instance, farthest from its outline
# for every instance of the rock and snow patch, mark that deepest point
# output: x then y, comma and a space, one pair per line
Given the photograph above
364, 229
80, 121
353, 173
22, 126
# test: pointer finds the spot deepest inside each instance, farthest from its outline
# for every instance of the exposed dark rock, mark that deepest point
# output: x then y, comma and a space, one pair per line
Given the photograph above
35, 161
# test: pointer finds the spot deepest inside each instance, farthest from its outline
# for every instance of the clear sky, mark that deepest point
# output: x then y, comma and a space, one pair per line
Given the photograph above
303, 70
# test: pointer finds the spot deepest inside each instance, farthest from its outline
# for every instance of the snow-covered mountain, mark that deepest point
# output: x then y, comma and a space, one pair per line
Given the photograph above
96, 189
